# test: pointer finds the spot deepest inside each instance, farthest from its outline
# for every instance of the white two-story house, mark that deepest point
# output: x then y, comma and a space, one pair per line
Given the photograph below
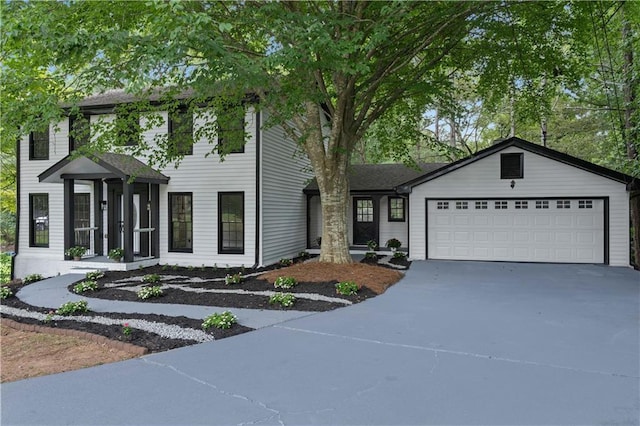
246, 210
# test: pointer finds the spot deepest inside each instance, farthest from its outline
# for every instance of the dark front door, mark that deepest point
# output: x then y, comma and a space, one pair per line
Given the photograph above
365, 223
140, 218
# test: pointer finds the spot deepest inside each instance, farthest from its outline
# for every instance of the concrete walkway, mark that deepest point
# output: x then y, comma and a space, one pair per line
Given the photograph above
452, 343
52, 292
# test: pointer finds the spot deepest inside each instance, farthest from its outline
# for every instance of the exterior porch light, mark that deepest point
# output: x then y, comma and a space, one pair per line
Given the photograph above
103, 205
513, 184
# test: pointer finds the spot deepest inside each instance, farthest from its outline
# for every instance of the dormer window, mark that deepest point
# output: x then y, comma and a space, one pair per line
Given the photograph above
512, 166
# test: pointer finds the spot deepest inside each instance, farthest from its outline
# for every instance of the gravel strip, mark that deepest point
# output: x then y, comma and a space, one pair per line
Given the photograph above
386, 261
168, 331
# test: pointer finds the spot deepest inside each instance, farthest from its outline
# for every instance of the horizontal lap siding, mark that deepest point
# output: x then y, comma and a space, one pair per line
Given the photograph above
543, 177
285, 173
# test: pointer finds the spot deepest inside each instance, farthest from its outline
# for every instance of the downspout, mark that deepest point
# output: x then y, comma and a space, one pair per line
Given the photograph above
17, 230
258, 189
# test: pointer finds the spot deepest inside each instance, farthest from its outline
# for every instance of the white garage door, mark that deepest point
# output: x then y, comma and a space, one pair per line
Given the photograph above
528, 230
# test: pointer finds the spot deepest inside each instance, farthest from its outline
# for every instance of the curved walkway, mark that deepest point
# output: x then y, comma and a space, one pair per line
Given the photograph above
52, 292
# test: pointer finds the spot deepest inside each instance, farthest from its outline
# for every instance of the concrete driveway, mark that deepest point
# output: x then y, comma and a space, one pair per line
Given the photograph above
452, 343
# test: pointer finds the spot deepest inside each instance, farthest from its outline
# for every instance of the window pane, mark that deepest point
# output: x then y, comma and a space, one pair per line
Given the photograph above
511, 166
231, 222
364, 210
39, 149
231, 130
79, 132
181, 132
396, 209
39, 215
82, 219
181, 222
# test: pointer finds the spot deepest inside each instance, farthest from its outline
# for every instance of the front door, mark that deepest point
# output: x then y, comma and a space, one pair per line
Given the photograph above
364, 221
141, 242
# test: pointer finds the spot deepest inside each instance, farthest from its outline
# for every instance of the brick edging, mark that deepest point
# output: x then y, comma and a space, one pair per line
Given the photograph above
114, 344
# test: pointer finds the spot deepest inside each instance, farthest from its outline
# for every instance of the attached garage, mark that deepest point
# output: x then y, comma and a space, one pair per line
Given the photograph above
533, 230
518, 201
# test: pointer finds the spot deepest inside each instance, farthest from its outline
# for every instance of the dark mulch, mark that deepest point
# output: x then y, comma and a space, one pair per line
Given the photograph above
151, 341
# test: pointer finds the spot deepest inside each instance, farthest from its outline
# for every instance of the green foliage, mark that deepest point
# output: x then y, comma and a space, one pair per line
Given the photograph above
94, 275
285, 282
76, 251
347, 288
149, 292
151, 278
286, 262
286, 300
116, 253
399, 255
32, 278
5, 292
372, 245
222, 320
233, 279
394, 243
126, 329
71, 308
5, 268
371, 255
83, 286
7, 220
304, 255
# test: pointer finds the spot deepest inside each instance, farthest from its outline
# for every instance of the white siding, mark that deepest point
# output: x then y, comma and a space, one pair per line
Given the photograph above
543, 177
285, 173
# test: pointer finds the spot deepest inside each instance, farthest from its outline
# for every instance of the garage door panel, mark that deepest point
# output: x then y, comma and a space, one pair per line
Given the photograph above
570, 234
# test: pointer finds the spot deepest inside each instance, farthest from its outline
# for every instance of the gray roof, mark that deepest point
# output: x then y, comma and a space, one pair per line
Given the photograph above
130, 166
117, 97
380, 177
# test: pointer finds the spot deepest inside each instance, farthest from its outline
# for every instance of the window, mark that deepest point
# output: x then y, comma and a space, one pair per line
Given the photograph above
364, 210
442, 205
180, 222
521, 205
462, 205
39, 220
231, 131
481, 205
79, 132
396, 209
39, 145
127, 127
82, 219
563, 204
501, 205
511, 166
231, 222
181, 132
585, 204
542, 204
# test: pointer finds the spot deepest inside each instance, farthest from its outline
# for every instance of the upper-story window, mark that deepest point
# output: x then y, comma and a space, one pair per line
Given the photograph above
79, 132
39, 145
127, 128
512, 166
181, 132
231, 135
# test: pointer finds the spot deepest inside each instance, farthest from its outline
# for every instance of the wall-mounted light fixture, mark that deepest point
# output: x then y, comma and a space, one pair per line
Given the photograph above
513, 184
149, 205
103, 205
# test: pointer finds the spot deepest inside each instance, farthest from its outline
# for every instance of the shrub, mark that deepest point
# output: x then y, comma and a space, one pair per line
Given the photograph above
286, 262
224, 320
32, 278
94, 275
233, 279
76, 251
151, 278
370, 255
149, 292
116, 253
394, 243
284, 299
285, 282
372, 245
347, 288
399, 255
304, 255
5, 268
5, 292
72, 307
83, 286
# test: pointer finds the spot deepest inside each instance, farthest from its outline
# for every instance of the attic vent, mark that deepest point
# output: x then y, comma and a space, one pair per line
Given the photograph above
512, 166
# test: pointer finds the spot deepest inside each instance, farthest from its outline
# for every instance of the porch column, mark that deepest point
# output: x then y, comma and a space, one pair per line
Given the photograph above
98, 242
69, 213
127, 201
155, 220
308, 220
376, 218
144, 221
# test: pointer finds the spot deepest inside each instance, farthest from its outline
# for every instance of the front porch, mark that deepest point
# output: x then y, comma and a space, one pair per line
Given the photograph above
103, 263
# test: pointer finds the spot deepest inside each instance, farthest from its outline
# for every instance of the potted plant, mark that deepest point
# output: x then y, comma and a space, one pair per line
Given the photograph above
76, 252
372, 245
116, 254
394, 244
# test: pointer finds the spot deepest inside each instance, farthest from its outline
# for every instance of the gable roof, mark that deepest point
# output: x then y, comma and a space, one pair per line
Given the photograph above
103, 165
406, 186
378, 177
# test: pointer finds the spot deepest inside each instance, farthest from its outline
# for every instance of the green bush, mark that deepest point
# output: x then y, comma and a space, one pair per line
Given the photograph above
32, 278
286, 262
285, 282
5, 268
233, 279
70, 308
284, 299
347, 288
149, 292
151, 278
83, 286
5, 292
94, 275
399, 255
224, 320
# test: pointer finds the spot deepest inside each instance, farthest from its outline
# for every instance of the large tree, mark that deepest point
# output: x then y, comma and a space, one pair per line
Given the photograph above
326, 71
